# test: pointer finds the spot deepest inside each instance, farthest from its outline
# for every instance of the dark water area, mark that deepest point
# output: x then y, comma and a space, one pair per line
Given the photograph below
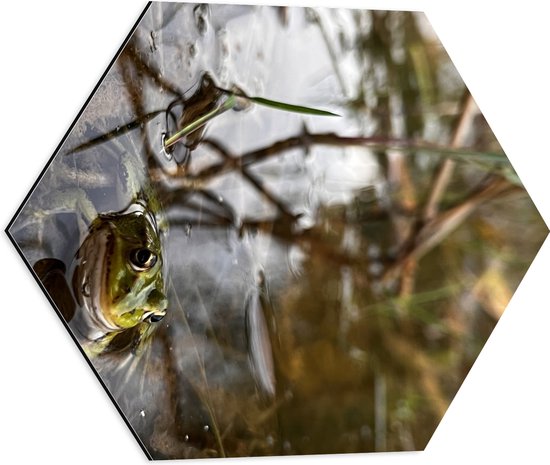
330, 280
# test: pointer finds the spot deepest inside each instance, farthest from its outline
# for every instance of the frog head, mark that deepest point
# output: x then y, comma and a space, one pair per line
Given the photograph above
118, 277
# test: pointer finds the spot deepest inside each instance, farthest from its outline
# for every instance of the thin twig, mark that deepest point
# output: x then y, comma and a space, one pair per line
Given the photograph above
445, 170
330, 49
435, 231
329, 139
253, 179
149, 70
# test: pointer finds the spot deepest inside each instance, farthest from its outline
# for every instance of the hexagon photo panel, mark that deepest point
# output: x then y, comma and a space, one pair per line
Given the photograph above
279, 231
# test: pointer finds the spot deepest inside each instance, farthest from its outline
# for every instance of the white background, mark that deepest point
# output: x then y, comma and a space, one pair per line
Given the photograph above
53, 409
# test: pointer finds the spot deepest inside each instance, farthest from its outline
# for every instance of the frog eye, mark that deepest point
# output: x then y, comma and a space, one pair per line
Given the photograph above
142, 259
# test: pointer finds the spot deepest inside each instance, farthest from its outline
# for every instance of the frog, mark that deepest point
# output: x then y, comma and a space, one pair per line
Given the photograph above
111, 293
117, 277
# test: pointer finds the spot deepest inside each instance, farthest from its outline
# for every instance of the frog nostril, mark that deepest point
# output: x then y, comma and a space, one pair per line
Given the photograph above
156, 318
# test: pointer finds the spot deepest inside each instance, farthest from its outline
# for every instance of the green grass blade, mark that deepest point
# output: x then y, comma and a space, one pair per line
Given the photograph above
288, 107
201, 121
119, 131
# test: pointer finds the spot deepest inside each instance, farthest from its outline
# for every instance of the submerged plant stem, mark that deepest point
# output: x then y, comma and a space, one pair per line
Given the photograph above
201, 121
331, 139
235, 100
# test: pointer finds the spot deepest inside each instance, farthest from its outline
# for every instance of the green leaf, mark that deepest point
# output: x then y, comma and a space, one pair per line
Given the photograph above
233, 101
201, 121
288, 107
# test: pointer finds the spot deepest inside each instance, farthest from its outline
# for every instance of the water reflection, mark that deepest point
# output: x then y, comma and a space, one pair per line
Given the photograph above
329, 281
